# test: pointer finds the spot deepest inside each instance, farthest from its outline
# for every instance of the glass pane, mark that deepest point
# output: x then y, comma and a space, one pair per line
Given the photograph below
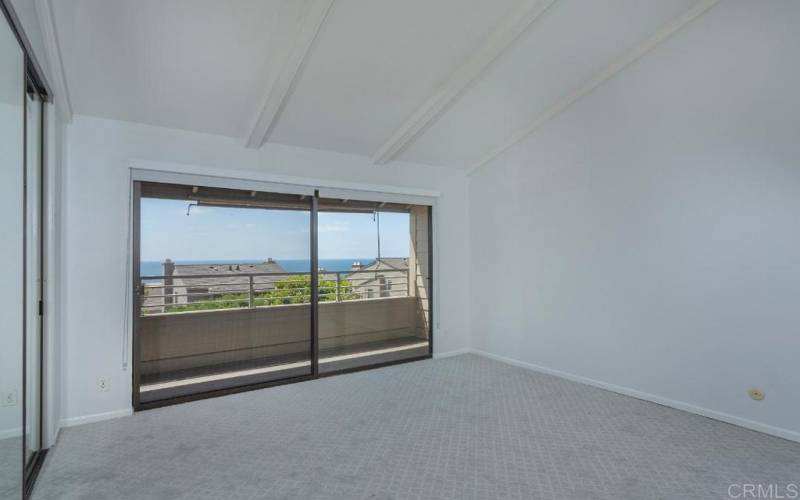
33, 279
374, 284
226, 290
12, 143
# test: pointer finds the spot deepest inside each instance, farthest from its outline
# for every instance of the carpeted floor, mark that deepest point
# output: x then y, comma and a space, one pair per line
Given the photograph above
10, 467
462, 427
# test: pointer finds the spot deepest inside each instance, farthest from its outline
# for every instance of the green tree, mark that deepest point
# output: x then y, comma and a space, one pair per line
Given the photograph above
292, 290
223, 301
297, 290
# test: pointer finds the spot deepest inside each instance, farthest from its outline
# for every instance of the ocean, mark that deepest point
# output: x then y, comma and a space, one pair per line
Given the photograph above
153, 267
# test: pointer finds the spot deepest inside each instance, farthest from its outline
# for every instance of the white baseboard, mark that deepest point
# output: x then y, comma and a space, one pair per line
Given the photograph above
97, 417
449, 354
678, 405
56, 434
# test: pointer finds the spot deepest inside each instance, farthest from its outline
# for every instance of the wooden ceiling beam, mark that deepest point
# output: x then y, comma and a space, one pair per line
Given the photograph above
281, 88
598, 79
480, 60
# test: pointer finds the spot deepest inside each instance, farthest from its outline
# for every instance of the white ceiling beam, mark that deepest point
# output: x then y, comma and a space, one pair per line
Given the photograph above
47, 21
598, 79
282, 86
436, 105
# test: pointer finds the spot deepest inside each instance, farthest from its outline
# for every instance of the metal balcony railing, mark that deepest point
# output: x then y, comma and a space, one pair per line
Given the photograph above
198, 292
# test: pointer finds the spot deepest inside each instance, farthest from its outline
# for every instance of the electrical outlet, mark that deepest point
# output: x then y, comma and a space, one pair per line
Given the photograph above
102, 384
9, 399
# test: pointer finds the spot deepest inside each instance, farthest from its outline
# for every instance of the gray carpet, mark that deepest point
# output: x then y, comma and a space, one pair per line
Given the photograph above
10, 467
463, 427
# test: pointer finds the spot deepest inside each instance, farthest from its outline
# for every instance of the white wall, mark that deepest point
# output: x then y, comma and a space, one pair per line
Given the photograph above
96, 205
649, 237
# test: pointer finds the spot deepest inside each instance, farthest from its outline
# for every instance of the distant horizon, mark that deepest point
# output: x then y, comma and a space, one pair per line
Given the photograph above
154, 267
250, 261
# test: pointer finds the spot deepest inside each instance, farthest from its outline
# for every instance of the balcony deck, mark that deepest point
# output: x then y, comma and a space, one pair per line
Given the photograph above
170, 384
199, 341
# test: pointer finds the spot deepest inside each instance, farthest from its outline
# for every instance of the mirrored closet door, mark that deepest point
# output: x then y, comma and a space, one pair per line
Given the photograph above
12, 251
33, 280
22, 98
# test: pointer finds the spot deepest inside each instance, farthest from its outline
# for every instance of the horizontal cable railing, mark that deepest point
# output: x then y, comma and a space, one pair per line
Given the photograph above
200, 292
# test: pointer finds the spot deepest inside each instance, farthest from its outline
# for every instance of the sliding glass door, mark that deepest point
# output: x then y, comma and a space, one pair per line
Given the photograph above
375, 308
239, 289
224, 290
33, 279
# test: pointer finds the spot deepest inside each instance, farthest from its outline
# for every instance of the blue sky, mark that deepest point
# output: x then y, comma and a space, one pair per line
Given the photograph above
212, 233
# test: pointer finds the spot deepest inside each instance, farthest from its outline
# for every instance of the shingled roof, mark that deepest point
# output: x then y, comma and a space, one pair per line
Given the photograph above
232, 277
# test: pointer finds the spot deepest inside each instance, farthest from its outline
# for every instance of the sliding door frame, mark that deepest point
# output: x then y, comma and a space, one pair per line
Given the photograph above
35, 84
430, 321
33, 70
139, 405
31, 468
315, 284
136, 211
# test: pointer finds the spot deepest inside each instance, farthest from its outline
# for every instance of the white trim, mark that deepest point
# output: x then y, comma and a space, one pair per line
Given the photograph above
53, 237
44, 11
176, 168
376, 196
279, 179
480, 60
436, 226
54, 437
625, 391
450, 354
282, 86
97, 417
218, 182
598, 79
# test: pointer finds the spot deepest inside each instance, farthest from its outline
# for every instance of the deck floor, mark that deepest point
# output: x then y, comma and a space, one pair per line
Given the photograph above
171, 384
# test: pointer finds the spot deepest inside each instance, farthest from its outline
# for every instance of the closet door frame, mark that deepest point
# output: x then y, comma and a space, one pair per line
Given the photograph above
31, 468
35, 83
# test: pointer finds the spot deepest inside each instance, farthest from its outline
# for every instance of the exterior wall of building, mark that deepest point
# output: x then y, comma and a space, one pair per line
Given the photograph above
420, 268
380, 281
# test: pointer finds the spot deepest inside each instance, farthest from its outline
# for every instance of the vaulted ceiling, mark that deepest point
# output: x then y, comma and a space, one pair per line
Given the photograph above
442, 82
